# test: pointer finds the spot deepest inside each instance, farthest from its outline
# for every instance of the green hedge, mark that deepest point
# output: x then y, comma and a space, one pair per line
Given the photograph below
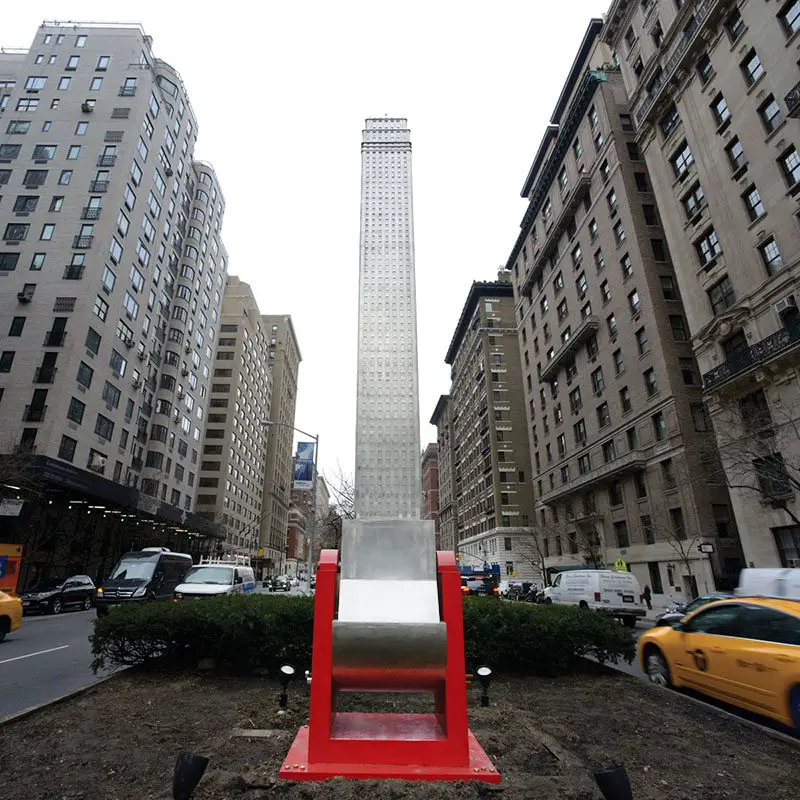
262, 631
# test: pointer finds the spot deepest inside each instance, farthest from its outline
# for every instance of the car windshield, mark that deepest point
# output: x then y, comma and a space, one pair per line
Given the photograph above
219, 575
697, 602
47, 586
133, 569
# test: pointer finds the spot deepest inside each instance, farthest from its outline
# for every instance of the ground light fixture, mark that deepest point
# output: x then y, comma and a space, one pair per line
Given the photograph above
613, 783
484, 673
189, 769
287, 672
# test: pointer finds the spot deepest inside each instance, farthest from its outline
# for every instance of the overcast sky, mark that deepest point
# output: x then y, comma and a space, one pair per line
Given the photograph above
281, 91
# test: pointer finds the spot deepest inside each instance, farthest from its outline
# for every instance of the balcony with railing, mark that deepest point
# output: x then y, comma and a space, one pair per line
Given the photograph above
45, 374
106, 160
54, 338
588, 326
749, 358
91, 212
82, 242
98, 187
127, 91
681, 51
571, 203
792, 100
629, 462
34, 413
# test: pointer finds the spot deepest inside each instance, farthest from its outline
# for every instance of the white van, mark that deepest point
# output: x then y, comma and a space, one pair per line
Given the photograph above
770, 583
210, 580
615, 594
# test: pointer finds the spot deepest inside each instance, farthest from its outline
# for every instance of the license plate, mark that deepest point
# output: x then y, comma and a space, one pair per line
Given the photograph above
627, 598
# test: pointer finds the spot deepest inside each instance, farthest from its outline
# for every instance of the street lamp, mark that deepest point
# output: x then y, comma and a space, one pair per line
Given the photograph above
309, 560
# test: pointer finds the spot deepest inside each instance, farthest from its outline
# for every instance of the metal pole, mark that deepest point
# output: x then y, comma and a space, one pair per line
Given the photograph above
310, 557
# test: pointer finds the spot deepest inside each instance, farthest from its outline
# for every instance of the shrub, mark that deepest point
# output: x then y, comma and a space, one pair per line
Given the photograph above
261, 631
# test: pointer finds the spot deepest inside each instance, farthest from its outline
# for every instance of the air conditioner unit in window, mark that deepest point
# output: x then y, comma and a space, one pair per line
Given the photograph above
141, 355
87, 108
188, 348
136, 383
184, 372
168, 172
128, 343
181, 394
788, 303
24, 297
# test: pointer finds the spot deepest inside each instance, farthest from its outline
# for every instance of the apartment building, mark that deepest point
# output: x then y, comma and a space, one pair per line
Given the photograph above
112, 270
614, 401
491, 478
233, 459
429, 468
320, 501
294, 562
284, 355
714, 93
447, 514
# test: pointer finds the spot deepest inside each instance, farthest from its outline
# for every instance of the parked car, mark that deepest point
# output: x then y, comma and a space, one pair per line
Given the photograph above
212, 580
611, 593
479, 587
10, 614
53, 595
671, 616
744, 651
150, 574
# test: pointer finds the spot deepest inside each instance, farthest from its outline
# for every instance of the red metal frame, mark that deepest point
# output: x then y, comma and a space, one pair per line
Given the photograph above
435, 746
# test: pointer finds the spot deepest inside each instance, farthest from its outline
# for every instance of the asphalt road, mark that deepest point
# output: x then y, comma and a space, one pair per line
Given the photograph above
47, 657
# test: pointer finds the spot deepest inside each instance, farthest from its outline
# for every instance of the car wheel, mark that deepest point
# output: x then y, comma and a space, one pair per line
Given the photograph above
55, 606
584, 605
794, 706
5, 627
548, 601
656, 667
87, 603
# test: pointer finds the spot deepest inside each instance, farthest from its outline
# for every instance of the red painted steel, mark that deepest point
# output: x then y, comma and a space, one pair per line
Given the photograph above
435, 746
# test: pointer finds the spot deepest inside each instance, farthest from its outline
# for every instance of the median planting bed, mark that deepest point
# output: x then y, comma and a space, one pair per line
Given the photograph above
119, 742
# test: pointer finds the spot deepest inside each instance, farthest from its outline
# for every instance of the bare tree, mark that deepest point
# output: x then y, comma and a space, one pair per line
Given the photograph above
18, 474
342, 489
758, 451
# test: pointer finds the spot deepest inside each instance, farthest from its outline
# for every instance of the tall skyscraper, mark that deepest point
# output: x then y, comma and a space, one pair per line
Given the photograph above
387, 426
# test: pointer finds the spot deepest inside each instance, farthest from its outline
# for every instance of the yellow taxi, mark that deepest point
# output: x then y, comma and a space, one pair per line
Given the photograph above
10, 614
744, 651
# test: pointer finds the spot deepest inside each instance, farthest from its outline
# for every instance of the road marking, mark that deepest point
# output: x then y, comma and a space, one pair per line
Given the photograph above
30, 655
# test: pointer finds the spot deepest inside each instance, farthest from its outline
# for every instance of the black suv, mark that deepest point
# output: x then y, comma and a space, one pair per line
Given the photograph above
52, 596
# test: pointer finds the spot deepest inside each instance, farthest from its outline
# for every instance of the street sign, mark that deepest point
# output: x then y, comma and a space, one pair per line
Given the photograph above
10, 507
706, 547
620, 565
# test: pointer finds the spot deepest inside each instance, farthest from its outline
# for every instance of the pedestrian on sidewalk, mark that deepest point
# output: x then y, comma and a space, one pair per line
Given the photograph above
647, 596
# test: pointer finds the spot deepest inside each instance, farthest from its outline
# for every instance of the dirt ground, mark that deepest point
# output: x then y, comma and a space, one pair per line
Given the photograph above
119, 741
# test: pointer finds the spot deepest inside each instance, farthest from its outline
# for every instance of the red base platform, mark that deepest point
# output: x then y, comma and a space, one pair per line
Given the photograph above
297, 767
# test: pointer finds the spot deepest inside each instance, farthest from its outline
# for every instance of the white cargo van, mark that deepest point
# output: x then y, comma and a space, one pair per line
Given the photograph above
216, 576
770, 583
614, 594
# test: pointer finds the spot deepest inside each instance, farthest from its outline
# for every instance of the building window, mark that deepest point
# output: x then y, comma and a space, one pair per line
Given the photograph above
633, 151
699, 417
648, 535
688, 371
790, 166
619, 363
659, 425
577, 149
693, 201
104, 427
102, 63
632, 438
605, 291
603, 415
609, 451
771, 255
719, 108
752, 203
773, 479
621, 534
619, 233
787, 537
682, 160
640, 484
605, 170
678, 327
705, 69
72, 62
789, 16
118, 364
734, 25
66, 449
721, 295
611, 322
84, 376
599, 261
579, 431
650, 383
770, 113
752, 68
47, 232
708, 248
641, 341
615, 495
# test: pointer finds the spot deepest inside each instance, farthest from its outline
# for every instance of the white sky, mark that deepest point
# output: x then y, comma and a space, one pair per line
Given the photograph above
281, 91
